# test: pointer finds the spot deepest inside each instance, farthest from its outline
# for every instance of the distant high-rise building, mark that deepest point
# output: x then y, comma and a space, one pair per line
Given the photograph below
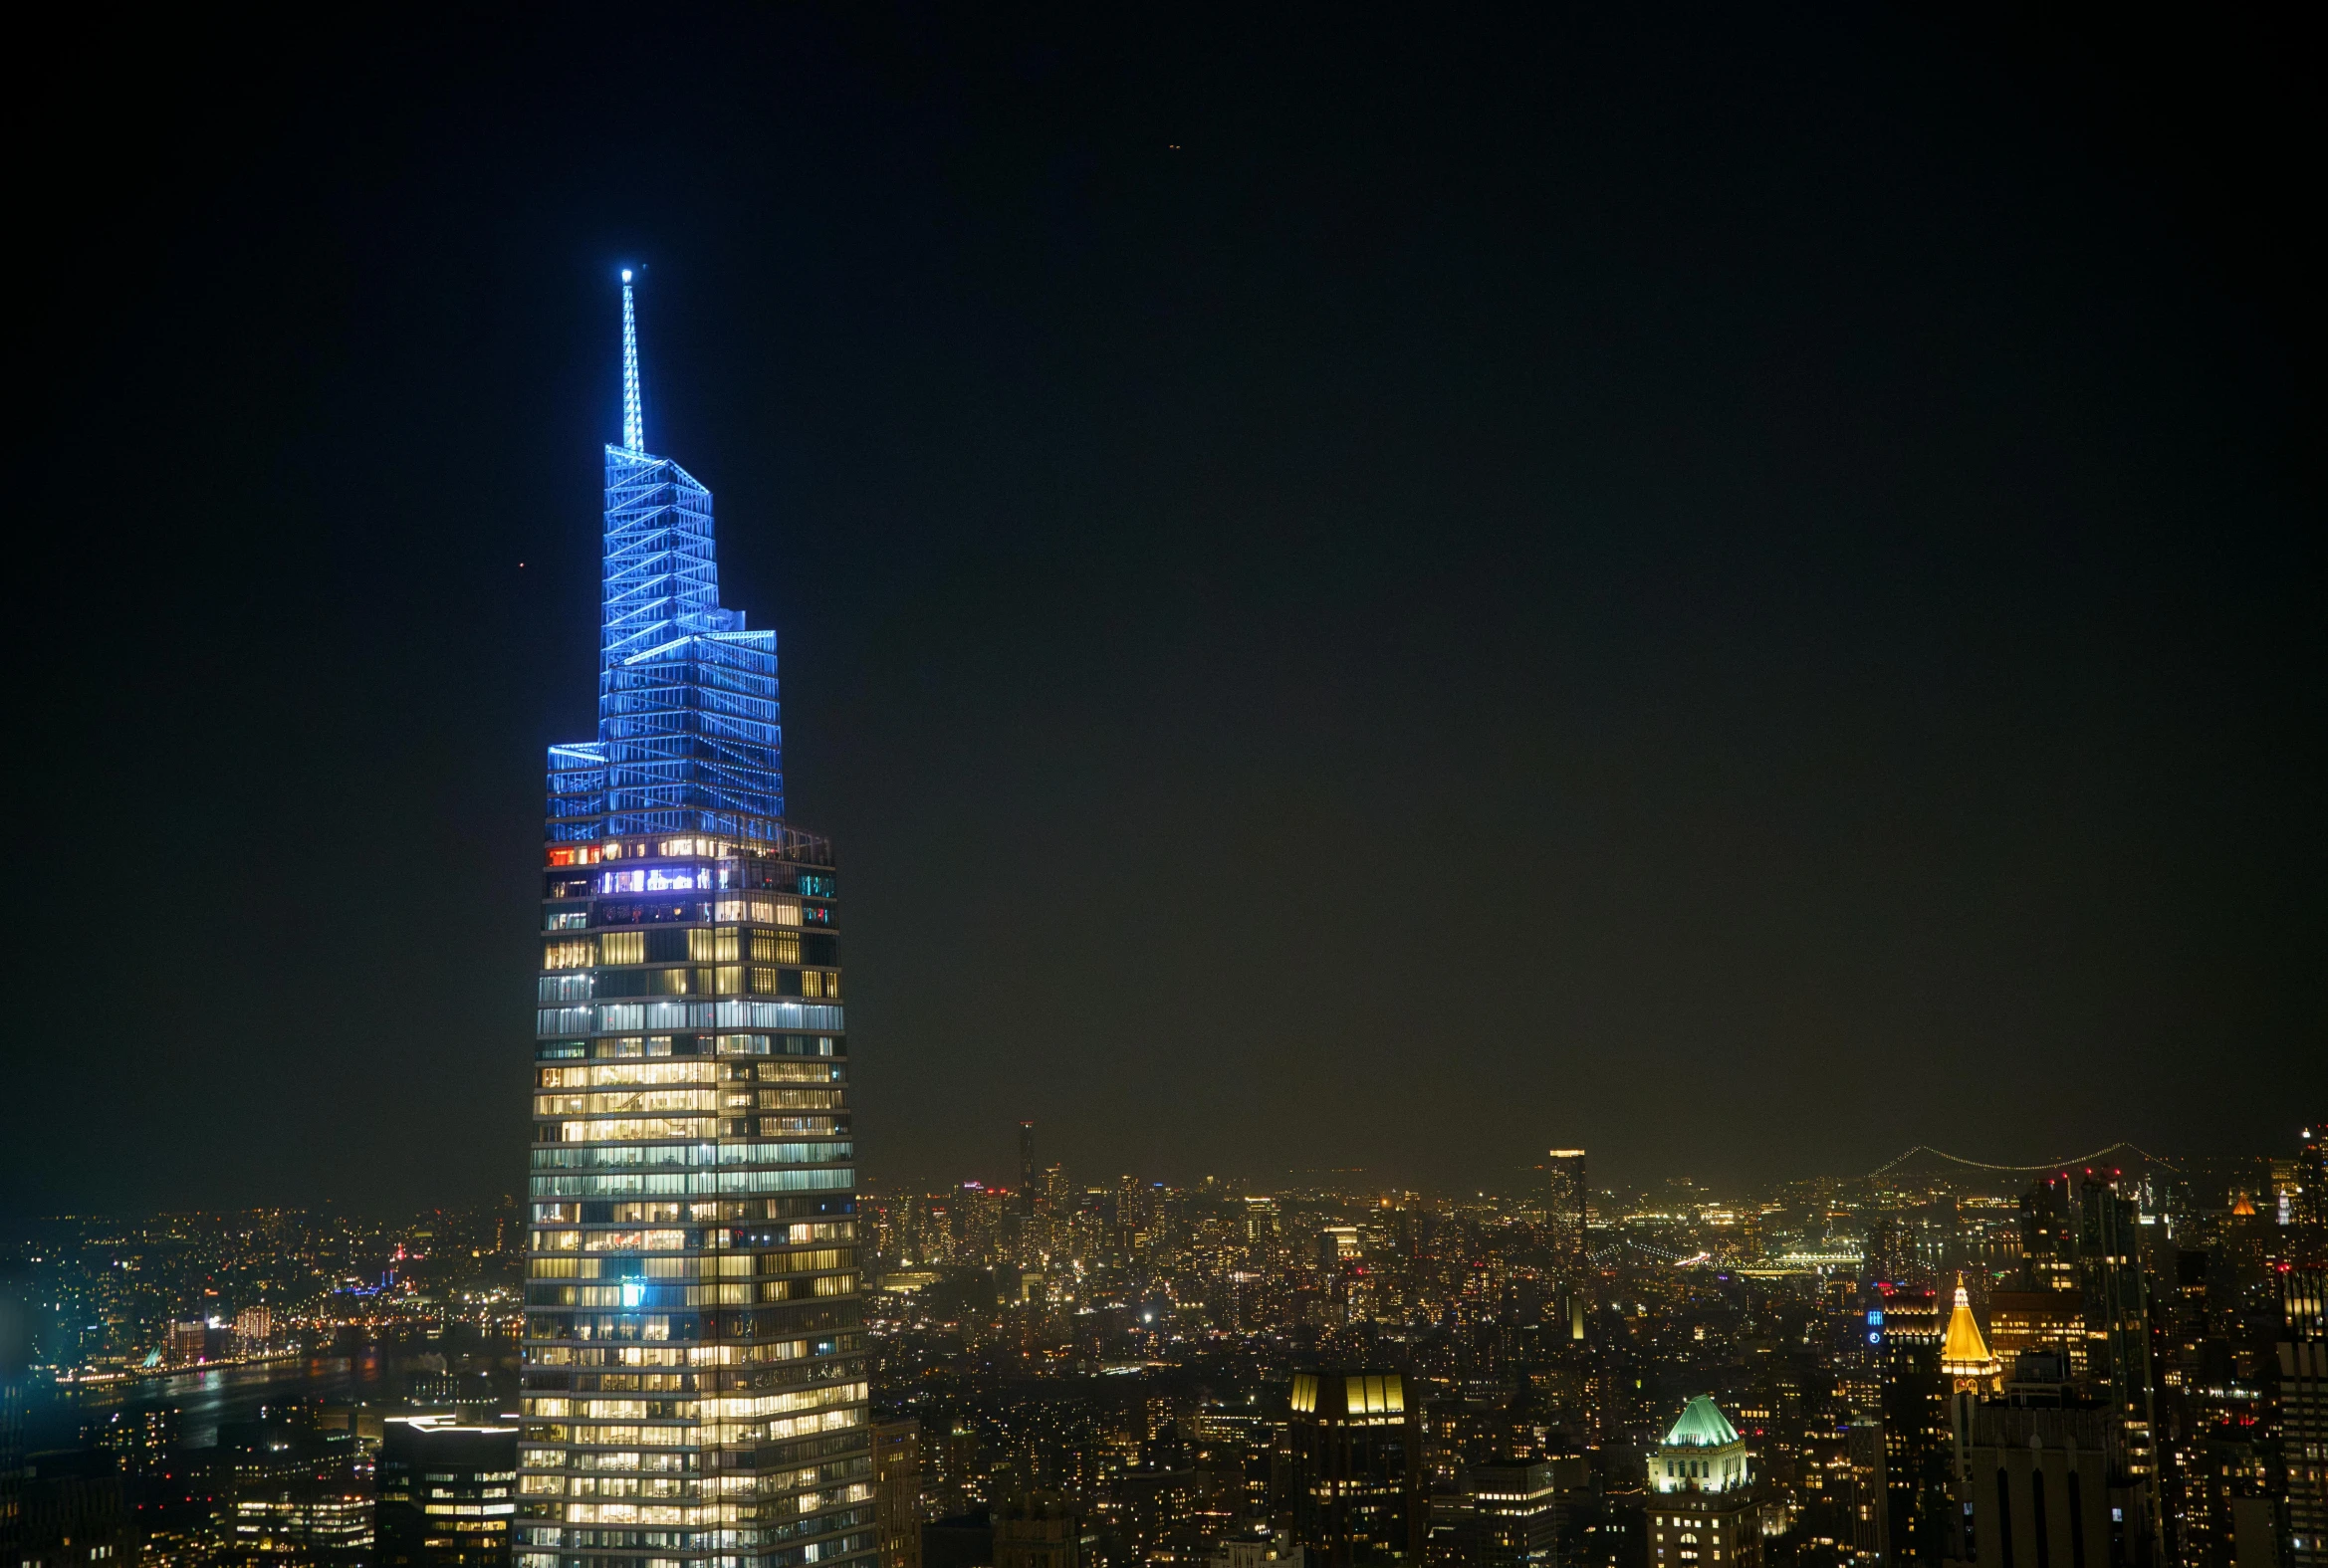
2116, 1292
1035, 1531
141, 1439
897, 1492
1918, 1441
1027, 1172
2051, 1320
447, 1493
1354, 1475
2048, 1236
292, 1492
2302, 1351
1703, 1506
1569, 1205
695, 1387
1515, 1514
1891, 1255
1868, 1495
2311, 1200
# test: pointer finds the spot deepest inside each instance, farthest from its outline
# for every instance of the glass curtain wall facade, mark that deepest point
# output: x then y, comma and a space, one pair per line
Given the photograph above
695, 1371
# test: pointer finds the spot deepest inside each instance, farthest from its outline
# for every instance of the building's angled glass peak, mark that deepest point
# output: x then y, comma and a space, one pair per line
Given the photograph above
633, 420
689, 730
1701, 1425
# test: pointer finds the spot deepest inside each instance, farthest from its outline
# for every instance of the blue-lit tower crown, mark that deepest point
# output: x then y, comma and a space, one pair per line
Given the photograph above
690, 734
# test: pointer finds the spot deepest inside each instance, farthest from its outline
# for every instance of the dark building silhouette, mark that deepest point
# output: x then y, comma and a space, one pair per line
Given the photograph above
140, 1440
1869, 1495
2049, 1482
2311, 1203
1917, 1436
446, 1493
67, 1510
291, 1492
963, 1540
1514, 1513
897, 1492
2039, 1490
1354, 1475
1569, 1205
1036, 1530
2048, 1236
2117, 1313
2302, 1352
1027, 1172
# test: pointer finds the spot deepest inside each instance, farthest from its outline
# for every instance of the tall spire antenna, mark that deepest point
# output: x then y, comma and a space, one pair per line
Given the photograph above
634, 425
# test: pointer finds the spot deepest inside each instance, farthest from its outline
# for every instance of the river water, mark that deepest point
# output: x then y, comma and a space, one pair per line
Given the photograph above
371, 1372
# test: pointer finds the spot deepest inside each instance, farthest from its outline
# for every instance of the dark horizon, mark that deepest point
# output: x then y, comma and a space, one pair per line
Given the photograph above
1741, 595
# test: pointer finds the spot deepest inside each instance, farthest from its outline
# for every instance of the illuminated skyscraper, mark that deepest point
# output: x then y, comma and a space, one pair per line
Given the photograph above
1027, 1176
695, 1391
1568, 1207
1703, 1506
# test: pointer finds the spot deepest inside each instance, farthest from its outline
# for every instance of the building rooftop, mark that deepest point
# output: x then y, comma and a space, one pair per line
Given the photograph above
1701, 1425
1965, 1354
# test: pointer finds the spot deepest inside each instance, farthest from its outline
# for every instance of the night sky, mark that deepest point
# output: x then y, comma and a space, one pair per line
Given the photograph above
1356, 589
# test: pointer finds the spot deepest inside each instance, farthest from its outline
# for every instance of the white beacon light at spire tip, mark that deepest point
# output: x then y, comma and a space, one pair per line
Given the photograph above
625, 274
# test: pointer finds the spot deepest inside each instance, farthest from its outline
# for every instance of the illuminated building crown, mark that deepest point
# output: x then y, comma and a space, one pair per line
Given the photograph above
1963, 1353
690, 735
1702, 1452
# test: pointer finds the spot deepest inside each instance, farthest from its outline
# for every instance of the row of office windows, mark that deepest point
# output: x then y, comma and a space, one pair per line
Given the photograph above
727, 1354
735, 1123
676, 912
694, 1155
631, 1295
624, 1046
794, 878
619, 1102
694, 945
731, 908
725, 980
713, 1266
701, 1070
686, 1102
670, 1211
633, 1237
722, 1183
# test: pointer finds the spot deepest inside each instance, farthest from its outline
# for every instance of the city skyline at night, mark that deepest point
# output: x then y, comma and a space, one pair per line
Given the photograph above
1573, 758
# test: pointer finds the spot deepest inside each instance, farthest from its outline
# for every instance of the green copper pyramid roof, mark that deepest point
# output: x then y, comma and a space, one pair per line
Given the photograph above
1701, 1425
